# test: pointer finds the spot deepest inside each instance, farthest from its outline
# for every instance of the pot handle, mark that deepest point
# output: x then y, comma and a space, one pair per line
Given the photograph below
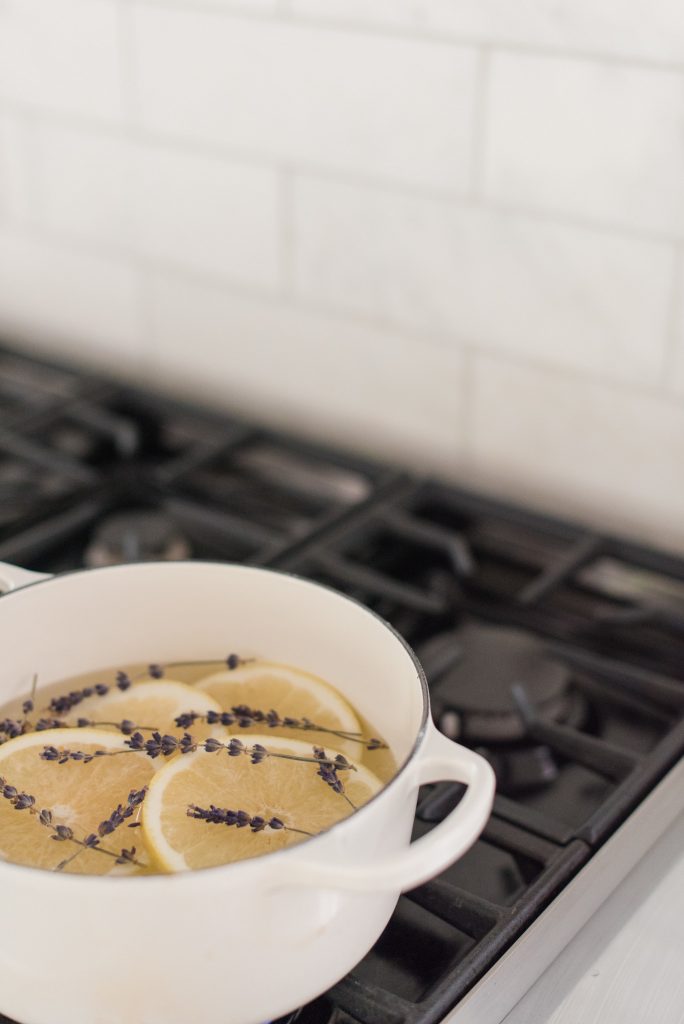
12, 577
440, 760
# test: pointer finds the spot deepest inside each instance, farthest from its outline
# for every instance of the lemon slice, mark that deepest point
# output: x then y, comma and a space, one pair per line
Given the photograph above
79, 796
264, 685
153, 705
290, 791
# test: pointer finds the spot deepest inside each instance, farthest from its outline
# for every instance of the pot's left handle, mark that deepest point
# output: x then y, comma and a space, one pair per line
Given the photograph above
12, 577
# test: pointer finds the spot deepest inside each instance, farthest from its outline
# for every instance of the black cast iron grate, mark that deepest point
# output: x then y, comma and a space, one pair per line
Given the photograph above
83, 460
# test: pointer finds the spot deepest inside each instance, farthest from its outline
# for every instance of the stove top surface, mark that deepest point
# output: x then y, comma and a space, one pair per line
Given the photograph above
555, 651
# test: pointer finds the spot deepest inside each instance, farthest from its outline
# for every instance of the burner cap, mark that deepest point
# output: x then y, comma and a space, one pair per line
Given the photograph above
472, 670
136, 536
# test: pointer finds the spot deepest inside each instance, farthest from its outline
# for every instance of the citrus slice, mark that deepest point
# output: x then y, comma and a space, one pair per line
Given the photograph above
266, 685
150, 705
79, 796
288, 790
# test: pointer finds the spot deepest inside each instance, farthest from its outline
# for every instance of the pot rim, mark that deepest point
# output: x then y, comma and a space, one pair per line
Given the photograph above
252, 863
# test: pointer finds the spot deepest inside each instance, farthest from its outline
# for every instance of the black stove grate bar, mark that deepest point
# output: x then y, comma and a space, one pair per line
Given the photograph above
31, 543
464, 910
510, 837
656, 688
622, 801
232, 435
605, 758
21, 447
369, 1004
377, 584
532, 820
561, 570
601, 690
222, 522
124, 435
408, 527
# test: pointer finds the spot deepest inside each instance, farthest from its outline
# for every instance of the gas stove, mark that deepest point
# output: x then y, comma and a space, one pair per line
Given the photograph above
556, 651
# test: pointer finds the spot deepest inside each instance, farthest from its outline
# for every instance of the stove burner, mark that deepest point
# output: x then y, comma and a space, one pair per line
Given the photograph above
472, 671
136, 536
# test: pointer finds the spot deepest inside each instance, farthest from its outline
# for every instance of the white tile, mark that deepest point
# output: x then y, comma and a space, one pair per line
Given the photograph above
639, 28
78, 304
15, 200
205, 213
395, 13
376, 391
61, 55
567, 296
580, 448
603, 141
677, 379
388, 107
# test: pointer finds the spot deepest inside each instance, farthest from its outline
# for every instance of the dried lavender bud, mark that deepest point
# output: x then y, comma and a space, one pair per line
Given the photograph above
91, 841
45, 817
187, 720
232, 661
10, 792
27, 707
63, 704
62, 833
186, 744
11, 728
211, 745
49, 723
155, 671
123, 681
240, 819
245, 717
127, 856
24, 801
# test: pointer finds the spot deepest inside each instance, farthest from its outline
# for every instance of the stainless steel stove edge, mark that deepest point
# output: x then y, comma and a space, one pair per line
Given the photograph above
517, 970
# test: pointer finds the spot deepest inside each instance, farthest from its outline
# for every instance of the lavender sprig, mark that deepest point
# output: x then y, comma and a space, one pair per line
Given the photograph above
164, 746
122, 812
62, 833
66, 702
240, 819
244, 717
232, 661
328, 772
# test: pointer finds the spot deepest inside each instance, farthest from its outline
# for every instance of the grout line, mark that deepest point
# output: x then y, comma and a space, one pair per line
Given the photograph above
416, 30
674, 315
286, 230
479, 125
435, 194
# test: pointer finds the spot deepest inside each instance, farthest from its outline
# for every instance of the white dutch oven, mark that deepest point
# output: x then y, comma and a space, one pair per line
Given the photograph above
245, 943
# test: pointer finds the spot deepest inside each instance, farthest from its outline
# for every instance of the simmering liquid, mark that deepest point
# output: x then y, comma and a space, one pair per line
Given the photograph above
146, 769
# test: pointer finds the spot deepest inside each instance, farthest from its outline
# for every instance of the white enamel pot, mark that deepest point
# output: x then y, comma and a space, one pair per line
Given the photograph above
248, 942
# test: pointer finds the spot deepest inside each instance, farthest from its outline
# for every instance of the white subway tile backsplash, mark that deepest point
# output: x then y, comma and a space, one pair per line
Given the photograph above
81, 304
385, 107
359, 384
14, 195
634, 28
205, 213
62, 55
602, 141
610, 456
571, 297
